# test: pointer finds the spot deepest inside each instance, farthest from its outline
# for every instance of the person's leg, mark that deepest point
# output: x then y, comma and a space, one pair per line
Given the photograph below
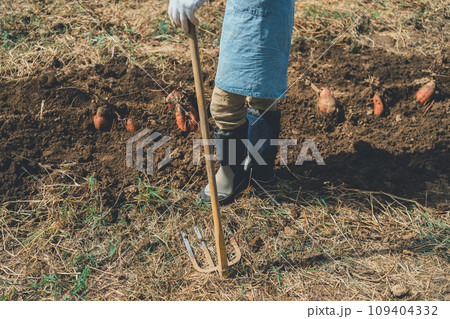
264, 123
227, 110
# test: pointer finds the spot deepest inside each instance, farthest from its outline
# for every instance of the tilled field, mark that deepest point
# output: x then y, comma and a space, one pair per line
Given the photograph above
404, 152
77, 223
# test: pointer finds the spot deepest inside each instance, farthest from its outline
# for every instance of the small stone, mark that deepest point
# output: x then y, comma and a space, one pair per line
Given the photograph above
398, 118
399, 291
370, 112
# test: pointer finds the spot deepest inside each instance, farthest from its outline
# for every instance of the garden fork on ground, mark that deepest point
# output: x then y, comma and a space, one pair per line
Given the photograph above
222, 266
211, 267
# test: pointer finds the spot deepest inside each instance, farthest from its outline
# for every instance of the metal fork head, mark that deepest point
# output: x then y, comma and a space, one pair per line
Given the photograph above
211, 266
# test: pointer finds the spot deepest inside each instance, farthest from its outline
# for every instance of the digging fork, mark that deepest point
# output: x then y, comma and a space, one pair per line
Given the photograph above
223, 263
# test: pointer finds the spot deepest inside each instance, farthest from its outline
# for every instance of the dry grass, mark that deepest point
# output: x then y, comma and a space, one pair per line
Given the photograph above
83, 33
339, 245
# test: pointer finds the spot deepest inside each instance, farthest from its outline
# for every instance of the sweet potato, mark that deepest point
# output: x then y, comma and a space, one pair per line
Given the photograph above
130, 126
185, 114
378, 106
193, 119
181, 118
426, 92
102, 119
326, 103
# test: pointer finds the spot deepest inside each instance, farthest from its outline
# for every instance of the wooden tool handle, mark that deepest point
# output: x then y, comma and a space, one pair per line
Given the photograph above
200, 92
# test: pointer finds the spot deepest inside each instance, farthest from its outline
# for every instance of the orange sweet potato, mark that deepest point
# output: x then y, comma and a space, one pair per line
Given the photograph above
378, 106
426, 92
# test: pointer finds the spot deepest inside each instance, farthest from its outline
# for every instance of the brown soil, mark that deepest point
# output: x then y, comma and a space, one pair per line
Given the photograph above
403, 152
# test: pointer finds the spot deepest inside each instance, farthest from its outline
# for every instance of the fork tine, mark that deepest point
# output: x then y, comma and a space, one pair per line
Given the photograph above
192, 256
237, 251
204, 248
197, 232
186, 243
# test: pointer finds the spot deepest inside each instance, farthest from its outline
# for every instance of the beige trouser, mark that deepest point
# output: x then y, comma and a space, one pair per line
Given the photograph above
227, 109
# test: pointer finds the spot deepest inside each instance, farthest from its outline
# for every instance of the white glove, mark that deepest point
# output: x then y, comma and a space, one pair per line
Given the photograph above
180, 11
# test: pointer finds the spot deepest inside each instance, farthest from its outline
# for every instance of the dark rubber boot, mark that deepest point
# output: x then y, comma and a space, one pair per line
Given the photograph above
231, 178
265, 127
